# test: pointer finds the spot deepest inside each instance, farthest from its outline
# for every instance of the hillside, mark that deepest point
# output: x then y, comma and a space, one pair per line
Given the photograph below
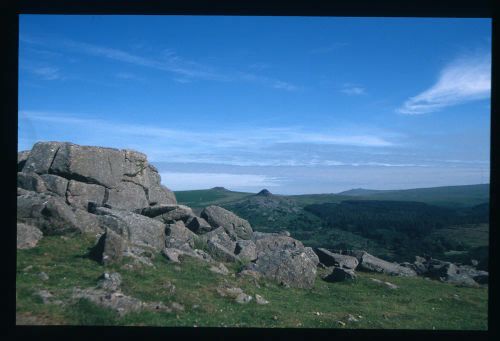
395, 227
450, 196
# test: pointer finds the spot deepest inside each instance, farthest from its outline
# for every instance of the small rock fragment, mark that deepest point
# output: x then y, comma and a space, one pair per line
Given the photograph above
43, 276
260, 300
243, 298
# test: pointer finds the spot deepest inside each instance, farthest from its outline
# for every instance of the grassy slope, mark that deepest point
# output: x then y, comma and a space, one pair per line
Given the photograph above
206, 197
418, 304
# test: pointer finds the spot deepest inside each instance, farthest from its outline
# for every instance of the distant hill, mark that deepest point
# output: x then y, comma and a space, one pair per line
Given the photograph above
466, 195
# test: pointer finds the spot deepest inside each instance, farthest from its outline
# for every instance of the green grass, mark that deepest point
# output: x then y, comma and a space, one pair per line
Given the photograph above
417, 304
205, 197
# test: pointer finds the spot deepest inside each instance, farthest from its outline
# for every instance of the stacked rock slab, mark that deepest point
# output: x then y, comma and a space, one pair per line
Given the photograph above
58, 182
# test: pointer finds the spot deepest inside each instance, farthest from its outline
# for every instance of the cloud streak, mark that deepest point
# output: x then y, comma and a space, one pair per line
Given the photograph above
464, 79
352, 90
184, 70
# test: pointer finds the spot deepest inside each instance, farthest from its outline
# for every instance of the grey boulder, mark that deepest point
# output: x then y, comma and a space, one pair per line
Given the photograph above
291, 268
335, 259
340, 275
217, 216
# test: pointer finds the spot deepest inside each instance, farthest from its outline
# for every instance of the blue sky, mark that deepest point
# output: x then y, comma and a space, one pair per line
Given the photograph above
293, 104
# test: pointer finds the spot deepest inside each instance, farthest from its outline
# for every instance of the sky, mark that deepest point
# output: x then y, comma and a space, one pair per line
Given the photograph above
297, 105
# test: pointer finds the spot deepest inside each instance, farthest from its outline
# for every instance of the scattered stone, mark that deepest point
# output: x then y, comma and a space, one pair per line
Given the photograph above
110, 281
28, 268
219, 269
351, 318
177, 306
387, 284
43, 276
47, 297
243, 298
229, 291
157, 306
342, 324
28, 236
172, 254
250, 273
169, 287
260, 300
120, 303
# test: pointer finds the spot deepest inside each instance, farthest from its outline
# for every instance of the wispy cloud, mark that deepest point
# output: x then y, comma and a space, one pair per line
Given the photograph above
465, 79
270, 82
184, 70
48, 73
224, 139
352, 89
44, 72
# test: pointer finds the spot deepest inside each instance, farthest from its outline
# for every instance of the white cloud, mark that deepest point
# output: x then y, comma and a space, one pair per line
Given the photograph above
465, 79
232, 138
187, 181
44, 72
353, 90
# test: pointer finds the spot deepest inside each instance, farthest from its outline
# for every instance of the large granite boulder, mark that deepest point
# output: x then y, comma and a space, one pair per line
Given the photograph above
139, 231
126, 181
288, 267
367, 262
217, 216
31, 182
340, 275
329, 258
198, 225
267, 242
179, 236
97, 165
55, 184
41, 156
49, 213
22, 156
110, 248
220, 244
246, 250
